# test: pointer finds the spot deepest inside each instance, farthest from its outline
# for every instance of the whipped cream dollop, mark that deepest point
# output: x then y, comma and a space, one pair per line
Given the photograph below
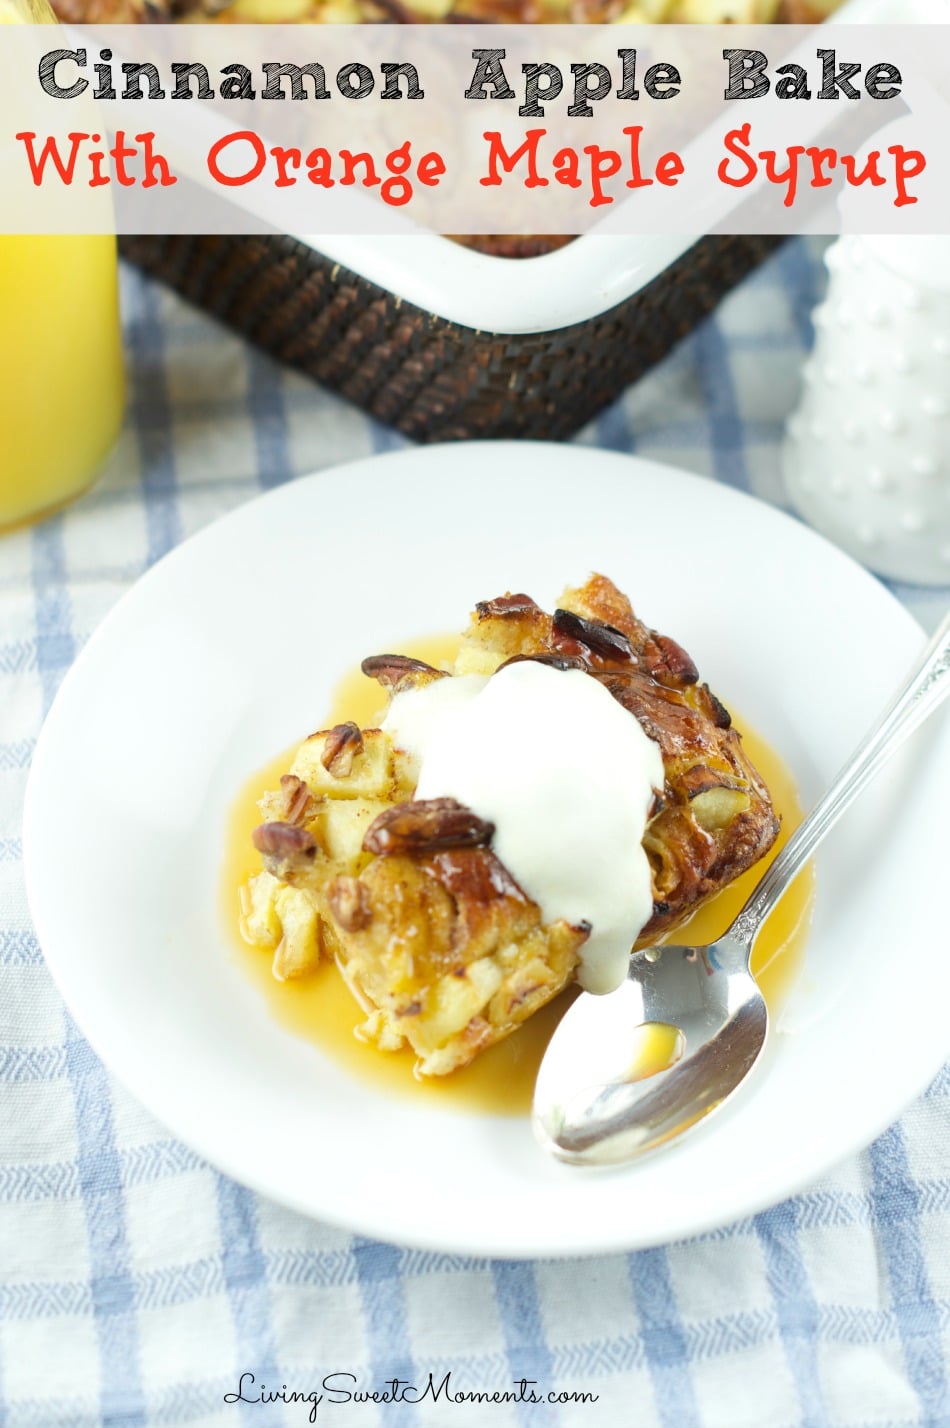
566, 775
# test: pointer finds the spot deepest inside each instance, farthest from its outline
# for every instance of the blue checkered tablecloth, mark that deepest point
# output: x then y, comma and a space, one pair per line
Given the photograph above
137, 1284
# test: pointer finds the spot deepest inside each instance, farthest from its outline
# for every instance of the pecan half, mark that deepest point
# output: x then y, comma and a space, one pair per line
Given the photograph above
504, 606
343, 743
297, 798
426, 824
285, 846
349, 903
599, 637
391, 669
673, 660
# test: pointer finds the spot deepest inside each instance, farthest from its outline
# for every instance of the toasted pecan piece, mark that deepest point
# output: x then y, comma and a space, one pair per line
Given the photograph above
287, 849
397, 672
425, 825
506, 606
599, 637
343, 743
297, 798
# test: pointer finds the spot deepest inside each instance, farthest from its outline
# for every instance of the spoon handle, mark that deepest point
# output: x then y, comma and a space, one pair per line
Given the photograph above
926, 687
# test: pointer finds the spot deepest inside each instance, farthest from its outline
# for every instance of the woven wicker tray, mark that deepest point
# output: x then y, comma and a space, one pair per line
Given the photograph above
433, 379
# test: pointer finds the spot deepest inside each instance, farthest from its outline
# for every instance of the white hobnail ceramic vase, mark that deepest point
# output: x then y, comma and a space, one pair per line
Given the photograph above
867, 453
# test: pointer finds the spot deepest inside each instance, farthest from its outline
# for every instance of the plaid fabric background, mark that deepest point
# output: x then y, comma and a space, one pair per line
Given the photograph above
137, 1284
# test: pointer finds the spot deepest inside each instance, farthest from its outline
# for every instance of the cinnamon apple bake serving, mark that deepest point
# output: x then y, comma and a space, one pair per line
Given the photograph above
566, 791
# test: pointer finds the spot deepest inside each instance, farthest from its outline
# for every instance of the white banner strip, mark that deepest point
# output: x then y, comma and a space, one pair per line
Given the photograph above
474, 129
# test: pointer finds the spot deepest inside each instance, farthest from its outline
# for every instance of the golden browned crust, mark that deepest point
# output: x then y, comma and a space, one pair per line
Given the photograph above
452, 953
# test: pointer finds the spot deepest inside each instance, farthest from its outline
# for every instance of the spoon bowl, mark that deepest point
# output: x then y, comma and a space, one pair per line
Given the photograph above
603, 1093
661, 1052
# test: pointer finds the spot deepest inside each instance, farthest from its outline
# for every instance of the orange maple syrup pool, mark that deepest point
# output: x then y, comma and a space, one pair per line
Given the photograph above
320, 1008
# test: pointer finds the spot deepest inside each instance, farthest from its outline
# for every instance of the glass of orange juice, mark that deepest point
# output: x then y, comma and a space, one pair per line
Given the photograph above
61, 382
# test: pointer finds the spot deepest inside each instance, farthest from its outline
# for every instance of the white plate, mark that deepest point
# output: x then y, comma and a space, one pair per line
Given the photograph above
227, 652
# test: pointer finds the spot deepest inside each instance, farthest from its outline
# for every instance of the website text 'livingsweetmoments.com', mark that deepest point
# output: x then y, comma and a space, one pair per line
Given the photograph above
343, 1388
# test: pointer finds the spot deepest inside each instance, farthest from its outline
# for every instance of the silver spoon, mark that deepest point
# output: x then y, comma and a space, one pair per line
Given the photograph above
626, 1072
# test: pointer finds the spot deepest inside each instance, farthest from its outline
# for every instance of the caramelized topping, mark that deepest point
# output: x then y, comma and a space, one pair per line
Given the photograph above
700, 779
718, 712
426, 825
